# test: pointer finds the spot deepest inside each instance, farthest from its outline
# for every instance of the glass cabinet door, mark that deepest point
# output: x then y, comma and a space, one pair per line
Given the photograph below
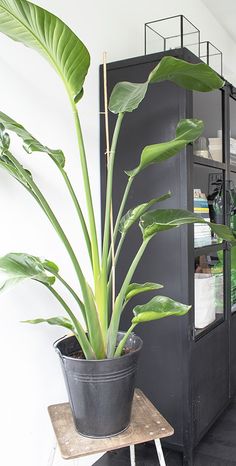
208, 202
231, 201
233, 279
208, 107
232, 109
232, 196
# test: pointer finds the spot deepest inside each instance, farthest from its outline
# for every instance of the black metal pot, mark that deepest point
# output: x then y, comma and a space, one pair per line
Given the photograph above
100, 391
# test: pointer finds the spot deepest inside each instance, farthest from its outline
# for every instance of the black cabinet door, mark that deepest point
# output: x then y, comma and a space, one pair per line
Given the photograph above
210, 369
233, 355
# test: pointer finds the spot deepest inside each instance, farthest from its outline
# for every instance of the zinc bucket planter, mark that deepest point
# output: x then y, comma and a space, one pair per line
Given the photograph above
100, 392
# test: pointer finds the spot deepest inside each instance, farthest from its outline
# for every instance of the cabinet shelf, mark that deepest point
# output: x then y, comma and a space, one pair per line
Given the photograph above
209, 249
201, 332
209, 162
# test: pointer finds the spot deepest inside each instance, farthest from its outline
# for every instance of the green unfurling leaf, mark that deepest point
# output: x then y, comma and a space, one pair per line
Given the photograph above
4, 139
51, 266
5, 158
7, 165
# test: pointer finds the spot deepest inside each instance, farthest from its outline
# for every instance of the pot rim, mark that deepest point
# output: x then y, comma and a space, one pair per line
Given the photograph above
98, 360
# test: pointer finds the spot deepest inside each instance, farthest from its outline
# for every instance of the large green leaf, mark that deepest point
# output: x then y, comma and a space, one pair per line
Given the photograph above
41, 30
158, 308
30, 143
61, 321
164, 219
16, 267
187, 130
134, 214
222, 231
127, 96
198, 77
136, 288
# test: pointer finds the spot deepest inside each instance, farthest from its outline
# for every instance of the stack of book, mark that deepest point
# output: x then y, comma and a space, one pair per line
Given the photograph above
202, 232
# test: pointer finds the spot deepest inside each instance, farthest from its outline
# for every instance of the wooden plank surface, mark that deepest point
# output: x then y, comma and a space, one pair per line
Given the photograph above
146, 424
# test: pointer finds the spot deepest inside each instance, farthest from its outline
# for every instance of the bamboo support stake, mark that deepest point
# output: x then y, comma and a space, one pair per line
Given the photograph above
108, 157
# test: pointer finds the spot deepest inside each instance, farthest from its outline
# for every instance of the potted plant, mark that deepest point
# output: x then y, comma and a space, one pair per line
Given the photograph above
98, 360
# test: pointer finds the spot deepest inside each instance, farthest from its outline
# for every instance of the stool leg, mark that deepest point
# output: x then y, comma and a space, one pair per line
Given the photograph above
160, 452
132, 455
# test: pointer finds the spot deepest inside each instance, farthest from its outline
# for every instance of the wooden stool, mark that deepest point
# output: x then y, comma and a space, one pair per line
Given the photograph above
146, 424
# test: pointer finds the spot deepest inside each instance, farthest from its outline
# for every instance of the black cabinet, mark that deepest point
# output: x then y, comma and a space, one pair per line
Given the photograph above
187, 370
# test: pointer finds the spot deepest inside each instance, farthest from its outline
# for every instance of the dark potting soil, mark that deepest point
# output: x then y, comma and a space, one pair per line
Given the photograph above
80, 355
77, 355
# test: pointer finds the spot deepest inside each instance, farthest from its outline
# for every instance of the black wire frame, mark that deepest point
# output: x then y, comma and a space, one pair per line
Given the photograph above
208, 54
181, 35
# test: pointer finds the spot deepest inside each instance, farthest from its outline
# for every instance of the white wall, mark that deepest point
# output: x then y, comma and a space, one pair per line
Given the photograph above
33, 95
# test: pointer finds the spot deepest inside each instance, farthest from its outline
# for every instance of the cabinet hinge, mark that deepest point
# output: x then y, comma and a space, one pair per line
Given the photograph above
191, 333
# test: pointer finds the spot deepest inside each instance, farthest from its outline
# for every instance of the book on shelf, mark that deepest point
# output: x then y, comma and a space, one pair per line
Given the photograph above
202, 232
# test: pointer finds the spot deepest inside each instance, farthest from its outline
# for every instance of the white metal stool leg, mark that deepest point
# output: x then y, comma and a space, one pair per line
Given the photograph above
132, 455
160, 452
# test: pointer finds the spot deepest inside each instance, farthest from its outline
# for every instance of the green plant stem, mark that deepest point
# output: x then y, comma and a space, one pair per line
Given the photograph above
121, 345
119, 247
106, 235
120, 213
115, 319
73, 293
93, 236
94, 329
109, 188
88, 195
70, 289
79, 212
80, 333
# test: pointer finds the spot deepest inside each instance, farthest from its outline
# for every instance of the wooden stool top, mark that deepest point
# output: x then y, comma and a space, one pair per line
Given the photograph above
146, 424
